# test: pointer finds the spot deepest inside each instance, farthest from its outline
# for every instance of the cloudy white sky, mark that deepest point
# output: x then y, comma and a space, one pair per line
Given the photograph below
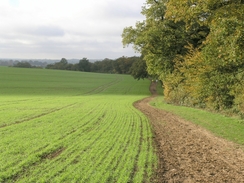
53, 29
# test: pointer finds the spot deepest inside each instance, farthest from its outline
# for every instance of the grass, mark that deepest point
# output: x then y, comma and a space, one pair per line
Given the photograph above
63, 126
226, 127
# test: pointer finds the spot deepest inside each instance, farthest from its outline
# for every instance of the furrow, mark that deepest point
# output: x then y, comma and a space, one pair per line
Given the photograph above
74, 145
37, 116
103, 87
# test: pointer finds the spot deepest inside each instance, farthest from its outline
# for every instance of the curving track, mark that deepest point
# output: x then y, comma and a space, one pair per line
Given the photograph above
188, 153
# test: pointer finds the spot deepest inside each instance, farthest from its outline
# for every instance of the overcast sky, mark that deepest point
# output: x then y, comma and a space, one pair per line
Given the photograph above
53, 29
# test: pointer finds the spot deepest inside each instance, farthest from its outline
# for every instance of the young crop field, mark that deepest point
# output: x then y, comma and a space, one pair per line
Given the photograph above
63, 126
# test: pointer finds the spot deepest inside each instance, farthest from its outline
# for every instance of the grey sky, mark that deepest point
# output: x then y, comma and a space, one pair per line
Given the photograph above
66, 28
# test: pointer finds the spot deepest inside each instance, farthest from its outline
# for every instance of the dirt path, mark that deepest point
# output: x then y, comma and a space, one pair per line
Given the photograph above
189, 153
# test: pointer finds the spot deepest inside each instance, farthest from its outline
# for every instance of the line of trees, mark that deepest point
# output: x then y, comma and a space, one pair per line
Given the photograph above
135, 66
196, 49
25, 64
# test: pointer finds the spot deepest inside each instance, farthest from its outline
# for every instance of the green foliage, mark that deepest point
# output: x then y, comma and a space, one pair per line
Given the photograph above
104, 66
61, 126
159, 40
120, 65
139, 69
62, 65
23, 65
84, 65
196, 49
223, 54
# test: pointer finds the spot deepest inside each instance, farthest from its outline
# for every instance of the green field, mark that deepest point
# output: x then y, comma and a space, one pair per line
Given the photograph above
62, 126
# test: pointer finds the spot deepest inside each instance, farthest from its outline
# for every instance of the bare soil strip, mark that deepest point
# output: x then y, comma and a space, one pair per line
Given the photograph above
189, 153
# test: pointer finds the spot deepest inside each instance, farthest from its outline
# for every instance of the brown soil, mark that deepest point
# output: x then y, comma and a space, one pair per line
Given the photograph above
188, 153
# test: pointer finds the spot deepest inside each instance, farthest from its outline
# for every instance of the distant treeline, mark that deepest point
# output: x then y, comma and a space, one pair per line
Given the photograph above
135, 66
23, 63
123, 65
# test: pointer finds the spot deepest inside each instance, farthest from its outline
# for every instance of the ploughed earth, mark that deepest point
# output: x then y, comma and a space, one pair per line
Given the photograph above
189, 153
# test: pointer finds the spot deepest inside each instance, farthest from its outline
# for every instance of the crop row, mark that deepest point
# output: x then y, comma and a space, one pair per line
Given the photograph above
60, 126
96, 139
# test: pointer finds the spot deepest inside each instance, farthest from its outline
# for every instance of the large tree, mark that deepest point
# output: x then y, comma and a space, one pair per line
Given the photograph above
195, 48
158, 39
84, 65
221, 54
